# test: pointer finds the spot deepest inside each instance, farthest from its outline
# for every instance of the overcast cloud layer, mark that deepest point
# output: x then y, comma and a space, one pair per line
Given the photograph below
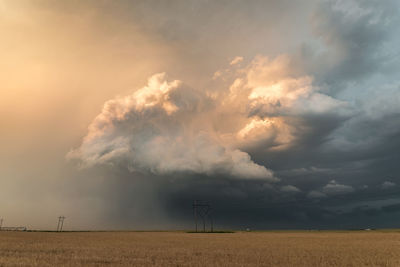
281, 114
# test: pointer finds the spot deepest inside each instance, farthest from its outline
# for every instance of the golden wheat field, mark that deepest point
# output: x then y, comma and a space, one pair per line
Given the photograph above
352, 248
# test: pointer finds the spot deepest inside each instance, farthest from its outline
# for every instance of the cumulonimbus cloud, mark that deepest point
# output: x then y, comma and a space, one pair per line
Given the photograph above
168, 127
161, 129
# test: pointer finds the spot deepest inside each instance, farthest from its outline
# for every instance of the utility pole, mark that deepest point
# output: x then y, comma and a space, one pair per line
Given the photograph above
1, 223
60, 223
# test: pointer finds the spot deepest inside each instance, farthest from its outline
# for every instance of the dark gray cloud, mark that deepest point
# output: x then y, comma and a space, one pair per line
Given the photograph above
357, 39
339, 170
281, 114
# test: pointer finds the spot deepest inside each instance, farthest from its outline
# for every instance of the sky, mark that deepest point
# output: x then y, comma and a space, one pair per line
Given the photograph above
119, 114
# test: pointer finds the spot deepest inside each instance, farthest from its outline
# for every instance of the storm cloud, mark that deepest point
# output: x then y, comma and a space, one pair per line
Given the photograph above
281, 114
168, 127
314, 131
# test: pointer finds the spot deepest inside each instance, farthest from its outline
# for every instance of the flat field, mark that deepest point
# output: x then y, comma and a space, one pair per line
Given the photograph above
352, 248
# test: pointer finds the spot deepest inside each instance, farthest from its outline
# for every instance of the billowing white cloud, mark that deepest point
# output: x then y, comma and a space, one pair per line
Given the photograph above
163, 129
168, 127
276, 100
277, 90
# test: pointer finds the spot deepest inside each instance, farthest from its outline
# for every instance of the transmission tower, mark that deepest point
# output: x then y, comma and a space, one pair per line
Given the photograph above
202, 210
60, 223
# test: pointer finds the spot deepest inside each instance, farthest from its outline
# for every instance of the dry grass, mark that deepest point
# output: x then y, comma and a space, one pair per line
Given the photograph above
184, 249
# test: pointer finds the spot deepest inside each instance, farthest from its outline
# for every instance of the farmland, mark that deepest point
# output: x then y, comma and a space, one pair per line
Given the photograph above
286, 248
